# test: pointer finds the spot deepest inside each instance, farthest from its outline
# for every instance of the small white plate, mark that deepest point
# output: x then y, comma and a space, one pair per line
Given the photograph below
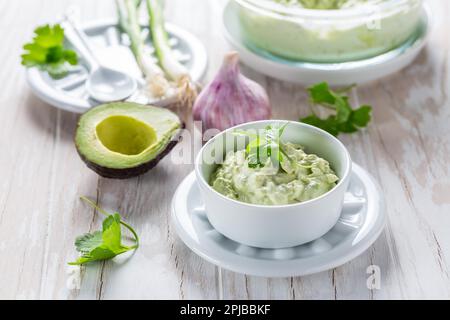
336, 74
361, 222
111, 48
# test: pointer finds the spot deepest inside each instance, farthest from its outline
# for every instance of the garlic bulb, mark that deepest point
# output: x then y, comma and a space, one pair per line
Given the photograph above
231, 99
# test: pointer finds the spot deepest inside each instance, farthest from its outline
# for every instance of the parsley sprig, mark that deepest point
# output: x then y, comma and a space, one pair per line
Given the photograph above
105, 244
345, 119
266, 144
47, 51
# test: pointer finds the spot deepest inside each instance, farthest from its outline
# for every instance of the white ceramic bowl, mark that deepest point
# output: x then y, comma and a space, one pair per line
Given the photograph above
278, 226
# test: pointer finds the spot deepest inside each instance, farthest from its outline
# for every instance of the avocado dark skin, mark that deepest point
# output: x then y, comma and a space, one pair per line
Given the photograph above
122, 140
129, 172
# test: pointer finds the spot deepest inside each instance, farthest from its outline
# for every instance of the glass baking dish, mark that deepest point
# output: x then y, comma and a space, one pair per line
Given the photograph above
364, 30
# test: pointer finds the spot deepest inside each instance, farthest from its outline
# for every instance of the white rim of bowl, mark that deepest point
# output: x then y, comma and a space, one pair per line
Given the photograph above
298, 12
347, 172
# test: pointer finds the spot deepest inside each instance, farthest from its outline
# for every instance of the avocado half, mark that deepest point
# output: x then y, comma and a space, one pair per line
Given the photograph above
121, 140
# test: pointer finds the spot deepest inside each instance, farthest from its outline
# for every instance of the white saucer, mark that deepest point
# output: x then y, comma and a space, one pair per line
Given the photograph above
69, 92
361, 222
336, 74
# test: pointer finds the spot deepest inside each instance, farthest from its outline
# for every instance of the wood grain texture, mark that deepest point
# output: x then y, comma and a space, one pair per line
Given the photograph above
406, 148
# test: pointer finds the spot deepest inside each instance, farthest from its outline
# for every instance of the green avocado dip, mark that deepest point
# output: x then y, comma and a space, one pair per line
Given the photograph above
328, 4
339, 30
309, 177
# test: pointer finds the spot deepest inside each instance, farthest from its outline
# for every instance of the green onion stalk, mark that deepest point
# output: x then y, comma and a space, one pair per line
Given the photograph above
174, 70
157, 84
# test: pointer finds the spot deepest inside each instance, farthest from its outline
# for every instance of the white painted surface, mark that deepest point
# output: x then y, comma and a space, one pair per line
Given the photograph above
407, 148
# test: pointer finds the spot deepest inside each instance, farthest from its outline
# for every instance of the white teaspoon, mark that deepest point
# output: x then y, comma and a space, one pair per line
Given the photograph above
103, 84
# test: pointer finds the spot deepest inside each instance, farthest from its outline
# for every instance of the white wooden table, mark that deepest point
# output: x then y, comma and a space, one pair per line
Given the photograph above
407, 148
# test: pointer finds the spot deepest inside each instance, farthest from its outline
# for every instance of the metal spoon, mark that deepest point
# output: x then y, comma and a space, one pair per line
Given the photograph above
103, 84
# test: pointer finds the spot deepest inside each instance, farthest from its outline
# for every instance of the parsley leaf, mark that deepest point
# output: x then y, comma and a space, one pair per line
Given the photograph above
47, 51
361, 117
266, 145
329, 124
344, 120
88, 242
105, 244
320, 93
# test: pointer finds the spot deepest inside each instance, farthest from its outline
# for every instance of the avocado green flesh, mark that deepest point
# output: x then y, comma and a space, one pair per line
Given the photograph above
123, 135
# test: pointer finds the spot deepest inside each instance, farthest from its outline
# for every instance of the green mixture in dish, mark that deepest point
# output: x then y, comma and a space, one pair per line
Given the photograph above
309, 177
328, 37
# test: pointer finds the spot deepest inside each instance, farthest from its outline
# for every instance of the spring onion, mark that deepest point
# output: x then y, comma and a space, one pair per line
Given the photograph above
157, 84
167, 60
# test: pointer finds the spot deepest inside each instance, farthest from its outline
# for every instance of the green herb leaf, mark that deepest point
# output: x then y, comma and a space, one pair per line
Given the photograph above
362, 116
88, 242
47, 51
264, 145
105, 244
111, 232
97, 254
344, 119
330, 124
321, 94
343, 109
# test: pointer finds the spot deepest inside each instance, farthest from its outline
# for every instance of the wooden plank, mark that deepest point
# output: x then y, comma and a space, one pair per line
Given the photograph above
43, 176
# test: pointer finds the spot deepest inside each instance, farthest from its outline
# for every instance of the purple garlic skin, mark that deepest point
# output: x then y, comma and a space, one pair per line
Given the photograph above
231, 99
